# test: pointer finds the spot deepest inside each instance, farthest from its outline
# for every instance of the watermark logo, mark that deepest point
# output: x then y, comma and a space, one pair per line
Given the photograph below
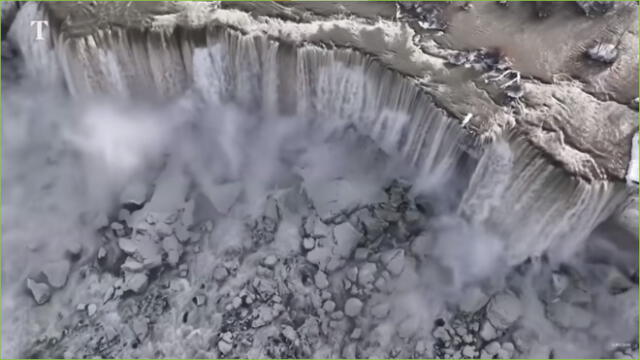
40, 24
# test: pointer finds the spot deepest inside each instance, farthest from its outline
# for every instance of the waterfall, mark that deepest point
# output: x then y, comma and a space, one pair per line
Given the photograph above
515, 189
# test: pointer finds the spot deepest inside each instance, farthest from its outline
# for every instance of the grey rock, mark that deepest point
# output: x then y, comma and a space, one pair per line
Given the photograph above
91, 309
136, 282
270, 261
200, 300
596, 8
367, 273
329, 306
308, 243
393, 260
220, 273
41, 291
569, 316
488, 332
353, 307
173, 249
503, 310
606, 53
320, 279
380, 311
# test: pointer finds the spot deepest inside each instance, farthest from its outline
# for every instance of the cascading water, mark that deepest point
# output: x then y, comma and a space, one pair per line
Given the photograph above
312, 152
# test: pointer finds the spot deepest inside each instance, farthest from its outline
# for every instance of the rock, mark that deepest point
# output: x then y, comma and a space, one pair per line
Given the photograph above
182, 234
356, 334
135, 193
57, 273
308, 243
270, 261
352, 307
361, 254
473, 300
127, 245
380, 311
603, 52
118, 229
102, 253
41, 292
488, 332
595, 8
329, 306
503, 310
184, 270
367, 273
492, 348
469, 352
346, 239
524, 339
91, 309
569, 316
289, 333
173, 249
132, 265
136, 282
393, 260
224, 196
140, 328
320, 279
200, 300
220, 273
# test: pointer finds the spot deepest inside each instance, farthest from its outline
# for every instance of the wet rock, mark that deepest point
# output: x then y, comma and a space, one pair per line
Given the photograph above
380, 311
57, 273
473, 300
308, 243
41, 291
605, 53
136, 282
393, 260
503, 310
199, 300
367, 273
595, 8
469, 351
569, 316
91, 309
220, 273
352, 307
102, 253
488, 332
173, 249
270, 261
320, 279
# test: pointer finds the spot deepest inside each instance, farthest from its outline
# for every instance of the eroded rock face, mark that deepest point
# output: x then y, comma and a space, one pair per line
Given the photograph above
342, 267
